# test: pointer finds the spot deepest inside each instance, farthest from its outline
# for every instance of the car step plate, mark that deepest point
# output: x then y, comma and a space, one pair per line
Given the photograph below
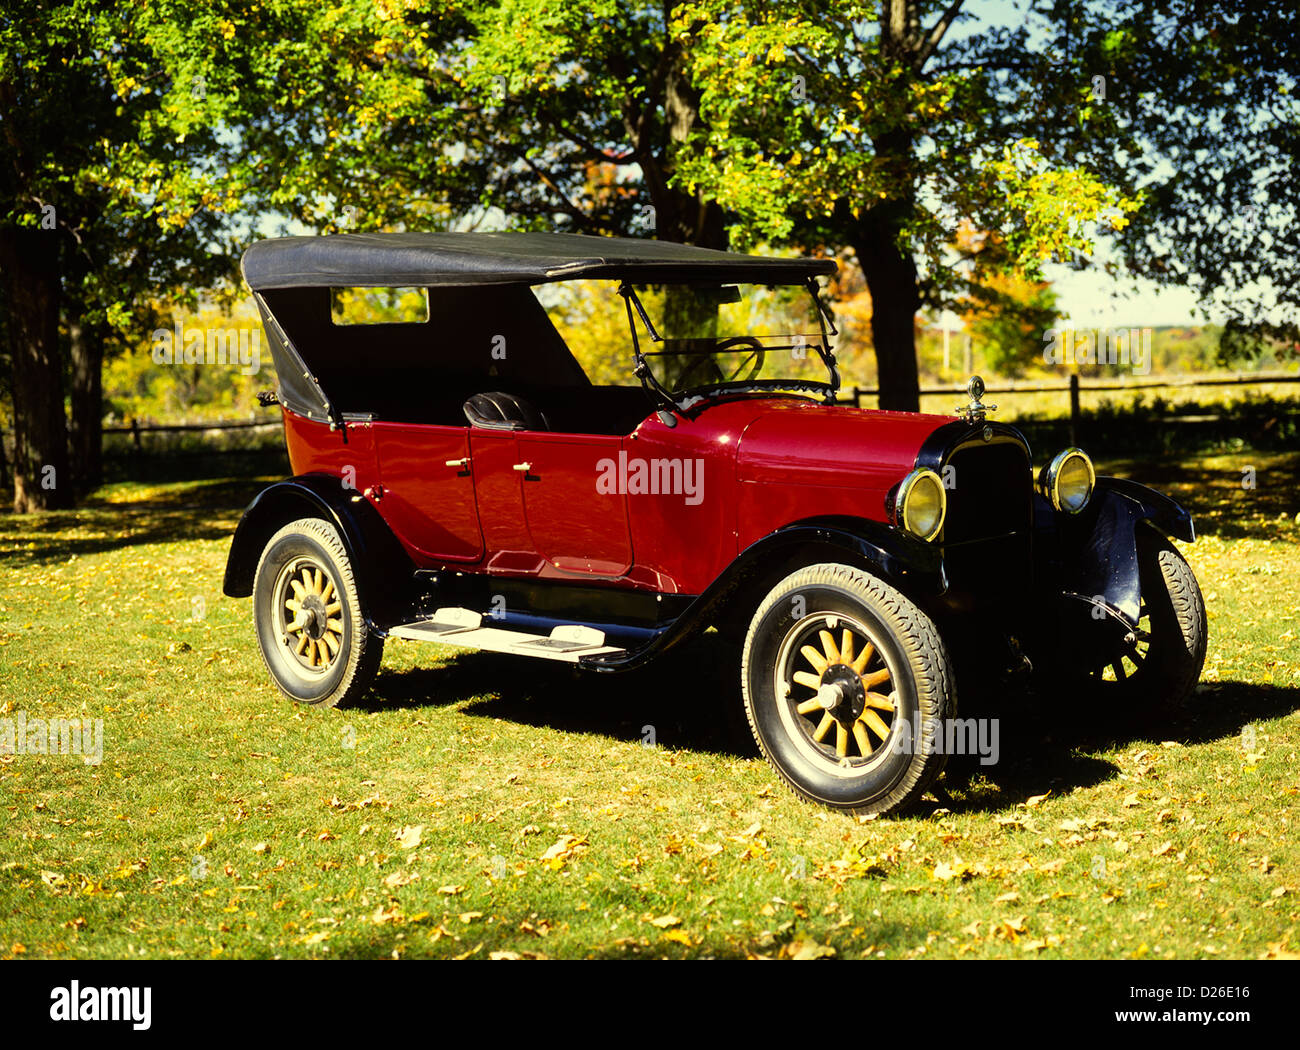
462, 627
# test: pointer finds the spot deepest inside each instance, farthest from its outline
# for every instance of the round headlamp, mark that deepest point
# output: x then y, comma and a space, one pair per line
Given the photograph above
1067, 481
921, 504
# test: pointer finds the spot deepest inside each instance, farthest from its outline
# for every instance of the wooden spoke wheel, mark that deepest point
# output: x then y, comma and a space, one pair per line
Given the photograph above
847, 687
838, 688
313, 634
311, 613
1133, 652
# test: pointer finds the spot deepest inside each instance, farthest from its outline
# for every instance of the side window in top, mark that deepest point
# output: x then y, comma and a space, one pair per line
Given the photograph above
360, 306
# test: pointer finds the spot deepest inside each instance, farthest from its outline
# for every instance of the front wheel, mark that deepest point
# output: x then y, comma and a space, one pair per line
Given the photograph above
1157, 664
847, 688
310, 627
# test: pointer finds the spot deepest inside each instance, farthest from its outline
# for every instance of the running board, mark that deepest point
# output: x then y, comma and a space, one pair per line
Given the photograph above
464, 628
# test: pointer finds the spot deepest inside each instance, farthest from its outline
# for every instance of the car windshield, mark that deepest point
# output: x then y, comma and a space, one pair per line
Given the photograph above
699, 336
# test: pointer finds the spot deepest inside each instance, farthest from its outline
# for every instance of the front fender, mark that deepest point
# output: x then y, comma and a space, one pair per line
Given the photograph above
890, 553
1093, 555
381, 569
909, 563
1155, 507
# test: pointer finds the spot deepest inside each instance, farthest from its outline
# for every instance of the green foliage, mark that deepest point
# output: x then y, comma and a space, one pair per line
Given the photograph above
136, 386
811, 124
99, 154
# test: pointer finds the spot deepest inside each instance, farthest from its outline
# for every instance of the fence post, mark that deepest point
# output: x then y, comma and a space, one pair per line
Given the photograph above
1074, 408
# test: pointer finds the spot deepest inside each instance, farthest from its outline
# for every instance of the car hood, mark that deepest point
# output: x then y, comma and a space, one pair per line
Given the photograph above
807, 443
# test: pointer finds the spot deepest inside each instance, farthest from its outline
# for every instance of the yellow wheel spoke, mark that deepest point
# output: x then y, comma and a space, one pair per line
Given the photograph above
334, 625
823, 727
804, 678
841, 740
882, 703
828, 647
299, 591
293, 603
317, 580
809, 706
333, 607
846, 646
864, 658
864, 741
331, 643
876, 677
296, 626
328, 593
815, 658
875, 724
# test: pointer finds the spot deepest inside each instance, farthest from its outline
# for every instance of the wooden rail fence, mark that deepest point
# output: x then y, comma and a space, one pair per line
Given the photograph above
1074, 387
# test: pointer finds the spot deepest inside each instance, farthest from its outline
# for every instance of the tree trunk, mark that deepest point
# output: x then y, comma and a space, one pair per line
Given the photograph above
687, 218
29, 268
87, 345
877, 235
891, 281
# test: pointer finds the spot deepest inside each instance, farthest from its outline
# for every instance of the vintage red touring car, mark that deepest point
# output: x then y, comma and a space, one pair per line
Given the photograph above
459, 478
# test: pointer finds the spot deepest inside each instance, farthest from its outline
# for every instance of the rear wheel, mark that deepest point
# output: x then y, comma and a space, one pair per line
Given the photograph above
310, 628
847, 688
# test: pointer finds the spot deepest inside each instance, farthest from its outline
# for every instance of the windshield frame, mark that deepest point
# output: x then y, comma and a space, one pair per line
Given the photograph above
683, 399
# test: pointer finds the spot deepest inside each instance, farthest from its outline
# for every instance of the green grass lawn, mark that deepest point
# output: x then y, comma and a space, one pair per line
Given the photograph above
479, 805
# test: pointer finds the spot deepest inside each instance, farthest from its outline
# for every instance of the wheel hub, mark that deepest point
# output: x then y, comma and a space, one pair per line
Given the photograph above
841, 693
313, 612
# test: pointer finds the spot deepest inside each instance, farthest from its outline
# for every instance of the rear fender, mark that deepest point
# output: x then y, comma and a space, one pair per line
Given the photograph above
382, 570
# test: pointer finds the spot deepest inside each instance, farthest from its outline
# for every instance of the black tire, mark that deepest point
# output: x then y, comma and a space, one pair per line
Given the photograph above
1159, 669
902, 754
332, 657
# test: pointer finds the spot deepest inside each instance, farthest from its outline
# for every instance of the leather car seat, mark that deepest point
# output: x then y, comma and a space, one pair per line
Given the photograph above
501, 411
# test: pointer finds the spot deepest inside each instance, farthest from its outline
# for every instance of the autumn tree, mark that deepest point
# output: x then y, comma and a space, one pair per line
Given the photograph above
1169, 128
102, 203
882, 126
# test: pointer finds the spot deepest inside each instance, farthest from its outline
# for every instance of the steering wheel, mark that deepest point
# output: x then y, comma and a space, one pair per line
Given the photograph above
681, 381
758, 357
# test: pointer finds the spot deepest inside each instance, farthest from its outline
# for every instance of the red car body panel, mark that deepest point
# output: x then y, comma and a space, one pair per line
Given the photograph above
664, 508
428, 499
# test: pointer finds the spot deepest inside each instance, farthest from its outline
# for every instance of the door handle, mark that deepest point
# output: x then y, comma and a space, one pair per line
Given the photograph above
458, 462
523, 467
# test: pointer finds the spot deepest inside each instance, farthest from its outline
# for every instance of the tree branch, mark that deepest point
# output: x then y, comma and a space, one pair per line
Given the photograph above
936, 34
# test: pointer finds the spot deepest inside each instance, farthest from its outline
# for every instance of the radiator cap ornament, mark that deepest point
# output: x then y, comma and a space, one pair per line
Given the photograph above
975, 410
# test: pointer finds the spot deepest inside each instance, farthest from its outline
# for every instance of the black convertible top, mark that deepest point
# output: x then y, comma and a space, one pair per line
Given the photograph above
379, 260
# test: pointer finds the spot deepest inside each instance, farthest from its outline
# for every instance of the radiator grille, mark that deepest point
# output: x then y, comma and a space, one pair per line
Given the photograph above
990, 490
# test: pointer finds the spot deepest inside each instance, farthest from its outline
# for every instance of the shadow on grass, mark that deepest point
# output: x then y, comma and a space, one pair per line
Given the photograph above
122, 529
1219, 502
227, 494
1045, 746
202, 510
629, 941
691, 701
